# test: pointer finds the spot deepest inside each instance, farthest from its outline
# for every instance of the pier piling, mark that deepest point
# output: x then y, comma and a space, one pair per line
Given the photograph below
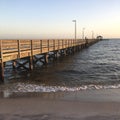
1, 72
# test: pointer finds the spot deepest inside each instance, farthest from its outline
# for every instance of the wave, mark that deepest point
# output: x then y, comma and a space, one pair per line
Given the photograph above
22, 87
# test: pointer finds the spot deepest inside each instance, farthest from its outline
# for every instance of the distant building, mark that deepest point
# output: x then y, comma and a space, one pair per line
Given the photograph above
100, 37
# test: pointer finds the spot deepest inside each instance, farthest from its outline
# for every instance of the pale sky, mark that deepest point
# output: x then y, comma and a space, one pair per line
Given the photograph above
53, 18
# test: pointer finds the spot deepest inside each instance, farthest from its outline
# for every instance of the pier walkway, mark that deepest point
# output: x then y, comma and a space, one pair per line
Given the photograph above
15, 50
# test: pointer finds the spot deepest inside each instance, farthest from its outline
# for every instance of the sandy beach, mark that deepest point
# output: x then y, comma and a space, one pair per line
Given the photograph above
82, 105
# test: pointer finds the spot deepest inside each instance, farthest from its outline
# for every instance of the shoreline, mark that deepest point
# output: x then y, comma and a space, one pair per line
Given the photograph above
83, 105
100, 95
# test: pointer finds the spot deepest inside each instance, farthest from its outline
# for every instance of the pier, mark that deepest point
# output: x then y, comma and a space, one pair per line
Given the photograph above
28, 50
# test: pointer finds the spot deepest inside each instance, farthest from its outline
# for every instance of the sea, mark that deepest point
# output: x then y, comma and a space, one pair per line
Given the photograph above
93, 68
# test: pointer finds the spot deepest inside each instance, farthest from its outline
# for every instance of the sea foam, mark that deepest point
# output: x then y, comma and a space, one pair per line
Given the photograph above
22, 87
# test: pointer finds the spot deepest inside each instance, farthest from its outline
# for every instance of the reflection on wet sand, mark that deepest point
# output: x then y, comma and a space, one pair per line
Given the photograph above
48, 96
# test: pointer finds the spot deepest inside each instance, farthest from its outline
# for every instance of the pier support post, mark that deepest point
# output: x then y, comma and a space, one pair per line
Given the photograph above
1, 64
14, 64
31, 63
1, 71
74, 49
55, 55
46, 58
65, 52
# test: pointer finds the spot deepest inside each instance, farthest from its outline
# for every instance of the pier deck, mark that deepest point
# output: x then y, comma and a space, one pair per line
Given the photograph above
13, 50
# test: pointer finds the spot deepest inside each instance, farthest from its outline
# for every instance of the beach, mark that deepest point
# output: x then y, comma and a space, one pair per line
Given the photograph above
79, 105
85, 86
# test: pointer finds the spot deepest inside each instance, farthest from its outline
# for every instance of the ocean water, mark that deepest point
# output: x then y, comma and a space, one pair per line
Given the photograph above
95, 67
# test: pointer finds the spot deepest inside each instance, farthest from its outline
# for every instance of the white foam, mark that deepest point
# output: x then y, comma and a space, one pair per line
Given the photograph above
21, 87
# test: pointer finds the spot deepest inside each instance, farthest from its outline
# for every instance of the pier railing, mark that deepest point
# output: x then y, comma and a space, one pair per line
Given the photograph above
15, 49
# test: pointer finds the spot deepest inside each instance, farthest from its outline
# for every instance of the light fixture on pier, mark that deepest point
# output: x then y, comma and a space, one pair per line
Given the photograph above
83, 34
75, 29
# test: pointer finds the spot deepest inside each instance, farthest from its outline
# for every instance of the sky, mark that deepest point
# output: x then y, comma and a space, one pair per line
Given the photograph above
52, 19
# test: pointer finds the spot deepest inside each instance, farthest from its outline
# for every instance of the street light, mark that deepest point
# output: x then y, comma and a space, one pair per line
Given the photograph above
83, 33
92, 34
75, 29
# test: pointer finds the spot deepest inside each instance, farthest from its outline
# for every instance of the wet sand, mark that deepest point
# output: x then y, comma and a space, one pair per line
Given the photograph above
83, 105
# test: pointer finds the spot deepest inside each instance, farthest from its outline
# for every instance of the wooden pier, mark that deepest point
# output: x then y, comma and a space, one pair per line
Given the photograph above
14, 50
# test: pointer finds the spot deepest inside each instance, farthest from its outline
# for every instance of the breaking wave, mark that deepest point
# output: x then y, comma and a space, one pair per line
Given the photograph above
22, 87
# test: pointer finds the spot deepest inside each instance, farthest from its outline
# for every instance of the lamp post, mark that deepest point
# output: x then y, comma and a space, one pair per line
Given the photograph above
92, 34
83, 33
75, 29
